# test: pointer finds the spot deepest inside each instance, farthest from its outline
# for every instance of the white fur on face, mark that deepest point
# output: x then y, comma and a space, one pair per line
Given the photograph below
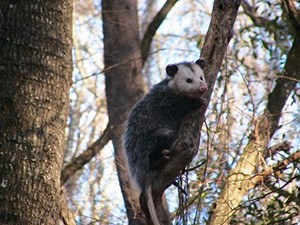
189, 80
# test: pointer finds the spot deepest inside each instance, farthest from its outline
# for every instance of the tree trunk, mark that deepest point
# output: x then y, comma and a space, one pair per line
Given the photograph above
35, 76
185, 147
124, 85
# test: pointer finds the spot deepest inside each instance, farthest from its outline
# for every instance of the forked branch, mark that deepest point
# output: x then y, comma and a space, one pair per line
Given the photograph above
185, 148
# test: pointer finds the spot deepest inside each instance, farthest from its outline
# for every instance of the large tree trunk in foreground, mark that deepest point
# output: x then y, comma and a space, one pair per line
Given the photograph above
124, 85
35, 76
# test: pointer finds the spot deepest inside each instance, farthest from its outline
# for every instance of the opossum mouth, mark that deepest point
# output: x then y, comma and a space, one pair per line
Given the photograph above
196, 94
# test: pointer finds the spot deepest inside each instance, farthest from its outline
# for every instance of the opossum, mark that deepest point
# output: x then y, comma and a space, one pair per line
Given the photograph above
154, 122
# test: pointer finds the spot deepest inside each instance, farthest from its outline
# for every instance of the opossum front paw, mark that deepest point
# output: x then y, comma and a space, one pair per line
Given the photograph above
164, 156
165, 153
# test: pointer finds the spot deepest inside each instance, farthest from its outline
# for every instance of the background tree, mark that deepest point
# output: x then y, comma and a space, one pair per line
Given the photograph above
35, 77
123, 83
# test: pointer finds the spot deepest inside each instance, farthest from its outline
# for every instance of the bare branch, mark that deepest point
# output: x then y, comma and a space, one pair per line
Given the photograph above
284, 163
283, 146
152, 28
78, 162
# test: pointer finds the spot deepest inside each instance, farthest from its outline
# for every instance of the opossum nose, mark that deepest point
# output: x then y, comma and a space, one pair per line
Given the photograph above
202, 89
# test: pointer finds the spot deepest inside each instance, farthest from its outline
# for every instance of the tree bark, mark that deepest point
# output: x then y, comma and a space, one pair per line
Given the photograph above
35, 77
124, 85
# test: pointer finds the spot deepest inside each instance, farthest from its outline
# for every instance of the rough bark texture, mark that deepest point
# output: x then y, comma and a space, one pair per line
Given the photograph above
184, 149
35, 76
239, 181
124, 85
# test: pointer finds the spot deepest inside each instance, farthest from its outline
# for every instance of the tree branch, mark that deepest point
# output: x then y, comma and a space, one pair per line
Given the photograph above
295, 157
186, 146
284, 86
284, 163
152, 28
283, 146
260, 21
293, 13
78, 162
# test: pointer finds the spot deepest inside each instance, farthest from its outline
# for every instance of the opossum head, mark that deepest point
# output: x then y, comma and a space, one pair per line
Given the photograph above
187, 78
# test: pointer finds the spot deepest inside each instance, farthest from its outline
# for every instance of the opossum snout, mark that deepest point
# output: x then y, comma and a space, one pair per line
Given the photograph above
202, 89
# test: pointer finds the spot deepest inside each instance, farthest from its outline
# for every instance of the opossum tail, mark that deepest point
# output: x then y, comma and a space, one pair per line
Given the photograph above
150, 204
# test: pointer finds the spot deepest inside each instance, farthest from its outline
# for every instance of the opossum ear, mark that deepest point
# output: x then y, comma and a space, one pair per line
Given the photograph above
201, 62
171, 70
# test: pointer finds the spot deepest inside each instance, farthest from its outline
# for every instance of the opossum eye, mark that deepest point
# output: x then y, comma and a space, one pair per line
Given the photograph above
201, 78
189, 80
